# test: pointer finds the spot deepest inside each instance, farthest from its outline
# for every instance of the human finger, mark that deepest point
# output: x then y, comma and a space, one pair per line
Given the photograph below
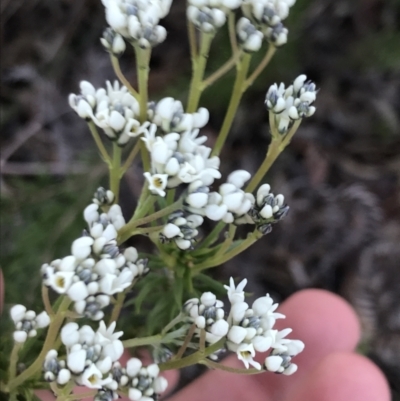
343, 377
324, 321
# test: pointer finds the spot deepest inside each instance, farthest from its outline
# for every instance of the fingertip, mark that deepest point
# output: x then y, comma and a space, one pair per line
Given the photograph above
341, 377
325, 318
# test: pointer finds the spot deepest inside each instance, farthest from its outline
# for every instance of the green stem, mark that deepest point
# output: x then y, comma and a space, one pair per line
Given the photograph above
117, 307
80, 396
221, 71
213, 236
121, 76
126, 231
232, 32
199, 66
193, 358
51, 337
272, 154
264, 62
153, 340
220, 259
142, 66
192, 39
145, 204
237, 93
275, 148
186, 342
12, 370
172, 323
140, 342
115, 171
103, 151
219, 366
131, 157
228, 241
46, 302
147, 230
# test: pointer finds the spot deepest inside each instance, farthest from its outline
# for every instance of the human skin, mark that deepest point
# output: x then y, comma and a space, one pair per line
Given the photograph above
329, 370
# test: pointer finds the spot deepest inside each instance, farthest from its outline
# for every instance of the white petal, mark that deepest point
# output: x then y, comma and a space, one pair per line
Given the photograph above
68, 264
220, 328
215, 212
273, 363
63, 377
197, 200
17, 313
133, 366
81, 247
237, 334
238, 178
76, 361
42, 320
171, 230
261, 344
69, 334
266, 212
20, 336
78, 291
208, 299
131, 254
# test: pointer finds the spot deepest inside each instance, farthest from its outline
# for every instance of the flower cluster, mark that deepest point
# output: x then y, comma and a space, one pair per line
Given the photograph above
265, 17
96, 268
113, 109
207, 314
268, 209
27, 322
209, 15
137, 20
113, 42
252, 330
179, 159
182, 229
92, 361
228, 204
168, 114
247, 330
143, 382
290, 104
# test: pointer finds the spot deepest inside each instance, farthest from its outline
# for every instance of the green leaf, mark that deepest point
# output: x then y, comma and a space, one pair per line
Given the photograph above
208, 283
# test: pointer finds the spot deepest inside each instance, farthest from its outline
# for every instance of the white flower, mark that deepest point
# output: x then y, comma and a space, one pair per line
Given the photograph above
157, 183
93, 378
245, 353
78, 291
238, 178
81, 247
208, 299
20, 336
133, 367
60, 281
160, 385
17, 313
236, 294
112, 347
76, 361
273, 363
237, 334
70, 334
42, 320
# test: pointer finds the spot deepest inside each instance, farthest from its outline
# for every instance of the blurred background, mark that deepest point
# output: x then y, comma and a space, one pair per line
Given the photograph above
340, 175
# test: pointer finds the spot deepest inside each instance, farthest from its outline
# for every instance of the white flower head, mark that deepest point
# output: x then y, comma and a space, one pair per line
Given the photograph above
157, 183
236, 293
245, 353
